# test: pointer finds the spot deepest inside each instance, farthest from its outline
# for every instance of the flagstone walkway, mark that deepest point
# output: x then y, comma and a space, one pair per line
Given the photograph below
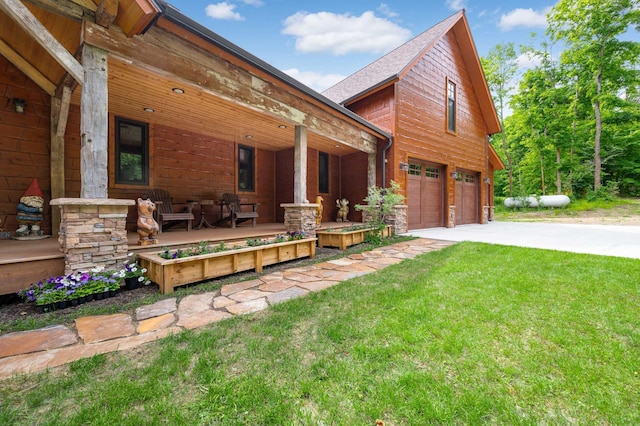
37, 350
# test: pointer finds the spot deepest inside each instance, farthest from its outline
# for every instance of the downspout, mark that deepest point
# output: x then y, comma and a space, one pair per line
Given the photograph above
384, 159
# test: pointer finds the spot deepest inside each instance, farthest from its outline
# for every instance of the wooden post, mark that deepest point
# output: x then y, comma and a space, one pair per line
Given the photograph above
94, 124
59, 116
371, 171
300, 166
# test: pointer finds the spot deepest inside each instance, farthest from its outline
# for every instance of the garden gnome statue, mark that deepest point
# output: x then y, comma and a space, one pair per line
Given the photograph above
343, 210
147, 226
29, 215
319, 209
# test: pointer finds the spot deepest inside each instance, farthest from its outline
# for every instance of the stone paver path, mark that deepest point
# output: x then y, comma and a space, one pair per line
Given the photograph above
35, 350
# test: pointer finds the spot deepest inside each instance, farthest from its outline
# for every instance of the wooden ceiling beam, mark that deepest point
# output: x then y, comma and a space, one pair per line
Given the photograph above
72, 10
25, 19
106, 12
26, 68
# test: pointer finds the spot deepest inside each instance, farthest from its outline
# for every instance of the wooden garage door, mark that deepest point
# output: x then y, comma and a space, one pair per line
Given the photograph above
467, 198
425, 194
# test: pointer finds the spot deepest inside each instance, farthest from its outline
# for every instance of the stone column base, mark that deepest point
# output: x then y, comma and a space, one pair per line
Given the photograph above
451, 220
485, 215
93, 232
300, 218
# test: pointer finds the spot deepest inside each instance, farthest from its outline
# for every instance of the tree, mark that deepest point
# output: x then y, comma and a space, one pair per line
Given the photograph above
591, 31
499, 68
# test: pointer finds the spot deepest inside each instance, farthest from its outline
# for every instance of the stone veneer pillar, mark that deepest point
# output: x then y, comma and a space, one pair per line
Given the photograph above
93, 232
396, 218
485, 215
300, 218
451, 222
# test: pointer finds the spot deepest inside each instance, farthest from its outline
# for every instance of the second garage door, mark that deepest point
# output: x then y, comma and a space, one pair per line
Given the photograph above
467, 196
425, 195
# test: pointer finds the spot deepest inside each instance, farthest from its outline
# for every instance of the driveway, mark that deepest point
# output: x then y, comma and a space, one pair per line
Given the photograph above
608, 240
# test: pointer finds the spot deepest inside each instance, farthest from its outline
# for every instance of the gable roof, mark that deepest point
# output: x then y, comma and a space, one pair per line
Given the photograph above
391, 67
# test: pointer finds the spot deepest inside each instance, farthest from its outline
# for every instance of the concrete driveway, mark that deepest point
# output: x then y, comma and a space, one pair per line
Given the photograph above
608, 240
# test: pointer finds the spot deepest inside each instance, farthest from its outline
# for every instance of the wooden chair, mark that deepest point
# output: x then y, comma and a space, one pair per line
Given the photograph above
164, 210
234, 209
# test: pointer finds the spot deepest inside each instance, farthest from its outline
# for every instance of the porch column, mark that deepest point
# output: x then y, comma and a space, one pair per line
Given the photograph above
59, 115
371, 171
93, 232
94, 124
300, 166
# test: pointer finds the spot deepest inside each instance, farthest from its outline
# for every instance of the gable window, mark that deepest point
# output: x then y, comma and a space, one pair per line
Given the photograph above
246, 168
451, 106
132, 152
323, 172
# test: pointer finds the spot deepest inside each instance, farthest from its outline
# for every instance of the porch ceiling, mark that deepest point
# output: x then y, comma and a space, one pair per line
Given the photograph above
132, 89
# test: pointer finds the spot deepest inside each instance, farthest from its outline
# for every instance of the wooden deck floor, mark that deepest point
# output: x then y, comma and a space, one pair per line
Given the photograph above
25, 262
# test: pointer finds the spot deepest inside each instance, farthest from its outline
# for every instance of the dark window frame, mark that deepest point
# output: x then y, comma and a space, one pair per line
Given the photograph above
323, 172
452, 105
246, 169
143, 152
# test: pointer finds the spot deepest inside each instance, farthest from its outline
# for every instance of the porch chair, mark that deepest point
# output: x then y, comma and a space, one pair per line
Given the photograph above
164, 210
234, 209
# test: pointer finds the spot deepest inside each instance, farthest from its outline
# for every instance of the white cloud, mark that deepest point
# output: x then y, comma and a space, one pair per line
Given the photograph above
317, 81
387, 11
224, 11
526, 18
342, 34
253, 2
456, 4
526, 61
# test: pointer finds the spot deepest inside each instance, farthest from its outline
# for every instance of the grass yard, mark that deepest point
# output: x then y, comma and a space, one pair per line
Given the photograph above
470, 334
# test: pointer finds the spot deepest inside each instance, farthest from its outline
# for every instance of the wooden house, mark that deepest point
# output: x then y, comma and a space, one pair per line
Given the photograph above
432, 96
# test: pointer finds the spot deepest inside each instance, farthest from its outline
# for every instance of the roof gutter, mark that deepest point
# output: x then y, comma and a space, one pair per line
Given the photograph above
173, 14
384, 160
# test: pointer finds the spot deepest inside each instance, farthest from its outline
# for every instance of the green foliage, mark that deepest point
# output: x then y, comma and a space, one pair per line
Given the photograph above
608, 192
380, 202
451, 337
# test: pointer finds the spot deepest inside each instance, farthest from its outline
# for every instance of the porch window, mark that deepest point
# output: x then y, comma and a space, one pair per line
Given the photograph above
132, 152
451, 106
323, 172
246, 168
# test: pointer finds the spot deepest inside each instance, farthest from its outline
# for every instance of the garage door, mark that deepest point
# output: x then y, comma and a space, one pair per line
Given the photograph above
425, 195
467, 198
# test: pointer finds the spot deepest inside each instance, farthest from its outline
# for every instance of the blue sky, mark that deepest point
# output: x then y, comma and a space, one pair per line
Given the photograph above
322, 42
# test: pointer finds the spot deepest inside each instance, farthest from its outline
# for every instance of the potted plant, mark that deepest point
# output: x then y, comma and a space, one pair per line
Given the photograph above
133, 273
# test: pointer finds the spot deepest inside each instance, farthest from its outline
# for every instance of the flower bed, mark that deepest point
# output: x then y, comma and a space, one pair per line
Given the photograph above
80, 287
346, 237
173, 268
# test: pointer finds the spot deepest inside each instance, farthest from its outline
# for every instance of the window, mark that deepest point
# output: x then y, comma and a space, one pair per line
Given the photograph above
451, 106
246, 168
132, 152
432, 172
415, 170
323, 172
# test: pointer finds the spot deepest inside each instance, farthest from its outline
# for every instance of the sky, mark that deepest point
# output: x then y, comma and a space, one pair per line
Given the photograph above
321, 42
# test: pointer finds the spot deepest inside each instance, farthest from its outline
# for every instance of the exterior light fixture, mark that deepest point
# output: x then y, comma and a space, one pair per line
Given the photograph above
404, 166
487, 180
20, 105
249, 136
454, 175
282, 126
177, 90
147, 109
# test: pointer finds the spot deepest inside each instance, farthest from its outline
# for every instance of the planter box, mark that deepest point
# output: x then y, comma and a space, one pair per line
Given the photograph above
344, 239
171, 273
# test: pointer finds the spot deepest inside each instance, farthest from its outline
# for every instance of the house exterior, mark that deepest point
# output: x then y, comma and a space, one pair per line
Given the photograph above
431, 95
101, 101
124, 96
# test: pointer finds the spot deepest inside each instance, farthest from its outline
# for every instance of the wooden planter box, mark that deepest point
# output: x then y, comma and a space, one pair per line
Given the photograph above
171, 273
344, 239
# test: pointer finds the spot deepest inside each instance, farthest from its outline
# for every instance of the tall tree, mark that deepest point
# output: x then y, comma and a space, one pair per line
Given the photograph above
500, 67
591, 30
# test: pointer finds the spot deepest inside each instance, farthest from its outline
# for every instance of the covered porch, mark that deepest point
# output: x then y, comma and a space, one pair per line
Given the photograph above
25, 262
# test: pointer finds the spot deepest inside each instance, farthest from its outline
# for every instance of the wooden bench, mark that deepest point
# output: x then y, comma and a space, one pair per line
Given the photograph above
164, 210
235, 214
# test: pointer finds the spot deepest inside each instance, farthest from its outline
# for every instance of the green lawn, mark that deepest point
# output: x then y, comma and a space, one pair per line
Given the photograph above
470, 334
